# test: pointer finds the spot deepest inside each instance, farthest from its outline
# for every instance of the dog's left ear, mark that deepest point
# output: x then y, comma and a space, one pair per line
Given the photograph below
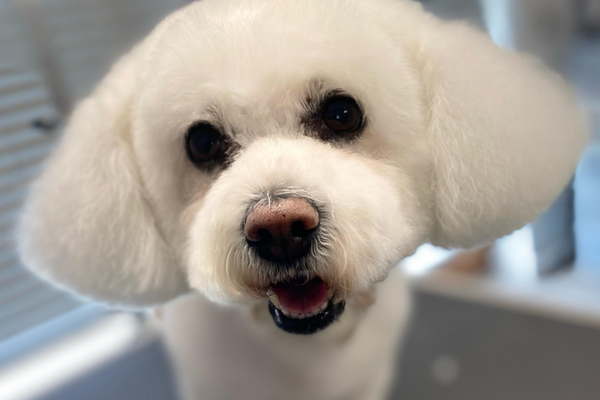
88, 224
504, 132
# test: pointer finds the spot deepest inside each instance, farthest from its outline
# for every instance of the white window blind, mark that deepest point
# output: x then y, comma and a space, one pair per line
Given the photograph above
24, 97
52, 53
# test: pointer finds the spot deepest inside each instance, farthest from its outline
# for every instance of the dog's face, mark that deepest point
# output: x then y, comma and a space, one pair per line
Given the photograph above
287, 162
295, 150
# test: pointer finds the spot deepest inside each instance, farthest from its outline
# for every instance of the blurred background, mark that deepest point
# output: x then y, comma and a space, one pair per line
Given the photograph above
518, 320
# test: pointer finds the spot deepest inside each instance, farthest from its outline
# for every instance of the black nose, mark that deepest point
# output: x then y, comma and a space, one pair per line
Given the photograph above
281, 231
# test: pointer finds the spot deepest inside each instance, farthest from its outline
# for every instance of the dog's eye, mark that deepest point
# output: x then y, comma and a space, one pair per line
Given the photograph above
204, 143
341, 114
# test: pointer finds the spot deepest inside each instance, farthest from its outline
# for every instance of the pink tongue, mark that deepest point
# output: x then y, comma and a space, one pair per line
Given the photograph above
301, 298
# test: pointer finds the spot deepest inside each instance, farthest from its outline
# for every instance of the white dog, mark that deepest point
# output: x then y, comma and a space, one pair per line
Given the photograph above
279, 156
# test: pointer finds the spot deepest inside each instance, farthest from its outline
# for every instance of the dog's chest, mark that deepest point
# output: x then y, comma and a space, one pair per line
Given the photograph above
223, 352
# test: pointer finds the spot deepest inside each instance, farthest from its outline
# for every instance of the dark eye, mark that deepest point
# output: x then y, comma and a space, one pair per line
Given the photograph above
204, 143
341, 114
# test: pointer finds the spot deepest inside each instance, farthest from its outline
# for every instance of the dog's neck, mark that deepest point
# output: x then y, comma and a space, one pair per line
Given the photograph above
354, 354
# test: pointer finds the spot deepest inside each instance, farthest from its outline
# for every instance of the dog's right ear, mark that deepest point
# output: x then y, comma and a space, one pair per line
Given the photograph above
87, 224
505, 134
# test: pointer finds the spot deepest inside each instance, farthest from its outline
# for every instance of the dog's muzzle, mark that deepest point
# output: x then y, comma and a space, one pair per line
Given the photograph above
282, 232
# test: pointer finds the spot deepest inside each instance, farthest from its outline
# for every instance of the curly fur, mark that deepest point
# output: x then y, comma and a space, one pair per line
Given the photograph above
464, 143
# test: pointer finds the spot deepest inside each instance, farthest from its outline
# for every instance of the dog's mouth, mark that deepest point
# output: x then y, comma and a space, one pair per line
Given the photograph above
303, 307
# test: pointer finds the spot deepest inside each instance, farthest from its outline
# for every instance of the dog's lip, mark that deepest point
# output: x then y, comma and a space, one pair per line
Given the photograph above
300, 298
309, 325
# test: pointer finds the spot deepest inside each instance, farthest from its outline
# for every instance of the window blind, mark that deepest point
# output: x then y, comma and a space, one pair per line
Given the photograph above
52, 53
24, 299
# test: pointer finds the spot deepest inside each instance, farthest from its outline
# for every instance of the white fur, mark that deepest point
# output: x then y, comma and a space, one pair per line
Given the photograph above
367, 234
237, 352
464, 143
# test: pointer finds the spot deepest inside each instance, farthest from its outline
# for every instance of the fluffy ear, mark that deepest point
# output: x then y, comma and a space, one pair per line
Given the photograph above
506, 135
87, 224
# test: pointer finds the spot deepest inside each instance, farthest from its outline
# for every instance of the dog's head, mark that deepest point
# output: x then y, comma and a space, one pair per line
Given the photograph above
295, 149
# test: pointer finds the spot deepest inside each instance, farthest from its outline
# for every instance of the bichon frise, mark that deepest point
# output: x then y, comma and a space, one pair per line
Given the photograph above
278, 156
